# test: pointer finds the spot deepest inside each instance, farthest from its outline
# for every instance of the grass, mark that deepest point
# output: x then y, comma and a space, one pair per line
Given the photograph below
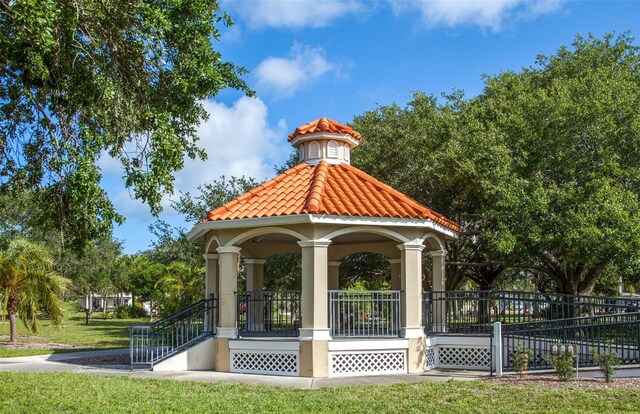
99, 334
72, 393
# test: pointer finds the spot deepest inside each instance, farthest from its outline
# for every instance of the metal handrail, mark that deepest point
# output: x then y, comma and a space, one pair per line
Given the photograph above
473, 312
268, 313
365, 313
619, 333
152, 343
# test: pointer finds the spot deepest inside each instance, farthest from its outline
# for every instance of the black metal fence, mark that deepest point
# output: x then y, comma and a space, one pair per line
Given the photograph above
149, 344
619, 333
268, 313
473, 312
364, 313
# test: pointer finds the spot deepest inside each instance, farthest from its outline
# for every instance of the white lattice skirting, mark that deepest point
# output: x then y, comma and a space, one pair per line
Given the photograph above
367, 363
463, 357
265, 362
430, 358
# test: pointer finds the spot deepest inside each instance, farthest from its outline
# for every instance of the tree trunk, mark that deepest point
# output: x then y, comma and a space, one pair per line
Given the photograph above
12, 310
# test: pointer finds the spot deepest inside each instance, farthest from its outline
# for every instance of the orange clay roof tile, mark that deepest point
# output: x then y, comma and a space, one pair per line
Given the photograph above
340, 190
324, 125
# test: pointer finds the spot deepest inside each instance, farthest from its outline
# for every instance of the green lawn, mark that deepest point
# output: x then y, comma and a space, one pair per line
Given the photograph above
99, 334
76, 393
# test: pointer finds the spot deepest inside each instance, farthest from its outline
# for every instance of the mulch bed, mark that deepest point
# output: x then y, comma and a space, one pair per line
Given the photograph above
101, 360
551, 381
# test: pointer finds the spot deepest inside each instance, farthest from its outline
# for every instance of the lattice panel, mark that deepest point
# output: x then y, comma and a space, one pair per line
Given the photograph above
463, 357
430, 358
261, 362
367, 363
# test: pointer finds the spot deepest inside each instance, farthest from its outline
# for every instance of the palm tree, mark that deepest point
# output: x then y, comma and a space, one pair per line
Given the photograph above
29, 285
182, 284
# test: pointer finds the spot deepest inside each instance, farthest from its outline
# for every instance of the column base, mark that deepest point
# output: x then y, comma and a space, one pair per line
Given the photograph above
412, 332
307, 334
314, 359
227, 333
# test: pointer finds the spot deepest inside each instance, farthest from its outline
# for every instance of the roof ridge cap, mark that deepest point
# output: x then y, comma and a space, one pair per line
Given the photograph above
317, 187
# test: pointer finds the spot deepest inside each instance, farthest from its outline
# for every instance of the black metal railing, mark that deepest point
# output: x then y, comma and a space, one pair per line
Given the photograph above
268, 313
364, 313
618, 333
473, 312
150, 344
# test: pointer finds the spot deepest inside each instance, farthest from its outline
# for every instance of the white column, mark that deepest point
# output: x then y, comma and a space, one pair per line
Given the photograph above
255, 283
411, 283
314, 290
438, 307
229, 257
211, 279
334, 275
396, 270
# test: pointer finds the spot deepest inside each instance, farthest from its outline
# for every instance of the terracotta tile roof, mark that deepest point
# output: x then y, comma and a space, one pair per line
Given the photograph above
324, 125
340, 190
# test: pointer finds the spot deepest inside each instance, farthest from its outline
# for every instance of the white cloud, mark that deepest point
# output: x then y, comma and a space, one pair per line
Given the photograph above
487, 14
238, 140
292, 13
283, 77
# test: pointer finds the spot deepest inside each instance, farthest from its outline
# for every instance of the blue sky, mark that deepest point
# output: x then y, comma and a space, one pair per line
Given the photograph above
338, 59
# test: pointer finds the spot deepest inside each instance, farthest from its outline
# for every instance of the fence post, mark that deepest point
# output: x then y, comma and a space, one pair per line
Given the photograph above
497, 347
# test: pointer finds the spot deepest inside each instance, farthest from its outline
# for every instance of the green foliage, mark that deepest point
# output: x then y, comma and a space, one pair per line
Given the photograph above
211, 196
521, 359
127, 312
608, 362
88, 79
563, 364
29, 284
369, 271
181, 285
541, 169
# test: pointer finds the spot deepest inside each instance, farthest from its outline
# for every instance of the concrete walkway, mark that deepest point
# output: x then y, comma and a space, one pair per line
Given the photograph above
64, 363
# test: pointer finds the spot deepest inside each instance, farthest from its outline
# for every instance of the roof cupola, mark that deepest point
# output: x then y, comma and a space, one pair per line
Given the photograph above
324, 140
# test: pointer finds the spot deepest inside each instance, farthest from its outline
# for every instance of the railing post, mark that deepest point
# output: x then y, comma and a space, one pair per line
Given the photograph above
497, 347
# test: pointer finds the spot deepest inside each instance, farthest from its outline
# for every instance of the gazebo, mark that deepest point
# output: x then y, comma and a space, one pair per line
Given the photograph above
324, 209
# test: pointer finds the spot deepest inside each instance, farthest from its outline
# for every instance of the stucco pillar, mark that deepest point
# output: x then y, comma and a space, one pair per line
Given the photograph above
411, 283
333, 275
314, 333
255, 283
229, 257
438, 307
211, 280
396, 269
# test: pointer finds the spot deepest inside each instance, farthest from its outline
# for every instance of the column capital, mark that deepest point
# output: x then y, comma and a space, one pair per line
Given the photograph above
438, 253
228, 249
411, 246
254, 261
333, 262
314, 243
210, 256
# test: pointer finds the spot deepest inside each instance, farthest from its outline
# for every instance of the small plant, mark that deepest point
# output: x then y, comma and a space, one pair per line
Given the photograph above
609, 361
562, 363
521, 358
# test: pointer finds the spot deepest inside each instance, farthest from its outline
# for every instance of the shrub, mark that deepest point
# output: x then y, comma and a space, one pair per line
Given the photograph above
124, 311
521, 359
609, 361
562, 363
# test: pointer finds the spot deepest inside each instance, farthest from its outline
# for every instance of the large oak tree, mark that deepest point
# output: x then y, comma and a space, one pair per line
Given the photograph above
84, 79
